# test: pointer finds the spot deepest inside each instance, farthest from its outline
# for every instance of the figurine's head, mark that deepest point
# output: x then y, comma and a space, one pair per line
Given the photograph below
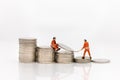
54, 37
85, 40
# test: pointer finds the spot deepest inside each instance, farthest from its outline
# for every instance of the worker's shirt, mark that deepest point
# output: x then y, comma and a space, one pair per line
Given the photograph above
86, 45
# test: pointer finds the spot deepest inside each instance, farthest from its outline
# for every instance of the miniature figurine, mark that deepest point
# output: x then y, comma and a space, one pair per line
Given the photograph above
54, 45
86, 49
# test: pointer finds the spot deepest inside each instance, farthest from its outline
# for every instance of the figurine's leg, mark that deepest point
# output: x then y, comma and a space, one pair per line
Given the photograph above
89, 54
84, 54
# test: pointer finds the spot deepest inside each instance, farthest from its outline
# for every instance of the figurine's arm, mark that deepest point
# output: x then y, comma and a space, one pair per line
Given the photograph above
83, 47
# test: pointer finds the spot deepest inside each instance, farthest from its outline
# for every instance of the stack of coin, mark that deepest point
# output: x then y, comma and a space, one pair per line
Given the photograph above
45, 55
80, 60
27, 49
65, 57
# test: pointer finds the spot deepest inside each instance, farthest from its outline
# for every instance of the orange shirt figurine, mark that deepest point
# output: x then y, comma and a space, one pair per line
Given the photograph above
54, 45
86, 49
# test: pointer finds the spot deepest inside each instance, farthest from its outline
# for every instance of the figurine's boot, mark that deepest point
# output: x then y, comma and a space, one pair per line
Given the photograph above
90, 58
58, 49
83, 57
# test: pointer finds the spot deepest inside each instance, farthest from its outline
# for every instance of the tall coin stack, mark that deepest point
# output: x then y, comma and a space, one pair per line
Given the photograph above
45, 55
65, 57
27, 49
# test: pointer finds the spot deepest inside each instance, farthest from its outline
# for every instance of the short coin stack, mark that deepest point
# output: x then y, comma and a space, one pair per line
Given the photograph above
27, 49
45, 55
80, 60
65, 57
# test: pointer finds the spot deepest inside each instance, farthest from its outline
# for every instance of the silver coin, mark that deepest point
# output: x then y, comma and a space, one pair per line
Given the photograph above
65, 47
27, 41
100, 60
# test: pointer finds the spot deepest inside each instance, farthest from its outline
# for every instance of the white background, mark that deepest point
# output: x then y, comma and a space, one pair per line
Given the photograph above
71, 21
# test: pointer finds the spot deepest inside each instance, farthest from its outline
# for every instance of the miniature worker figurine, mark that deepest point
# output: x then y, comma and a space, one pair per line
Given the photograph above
86, 49
54, 45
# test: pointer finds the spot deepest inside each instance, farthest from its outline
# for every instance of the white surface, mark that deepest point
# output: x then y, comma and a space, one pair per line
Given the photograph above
70, 21
11, 69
